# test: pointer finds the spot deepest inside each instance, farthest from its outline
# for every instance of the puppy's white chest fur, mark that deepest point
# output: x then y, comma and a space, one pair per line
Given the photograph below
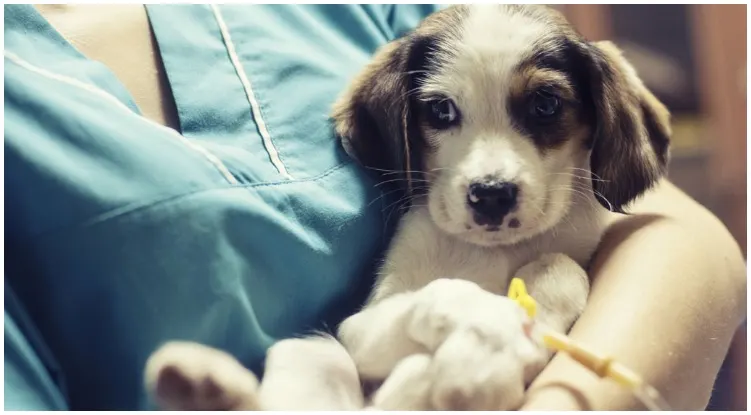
421, 252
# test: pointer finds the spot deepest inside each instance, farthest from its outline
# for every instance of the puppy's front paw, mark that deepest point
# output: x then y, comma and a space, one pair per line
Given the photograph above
560, 286
188, 376
471, 373
480, 343
447, 305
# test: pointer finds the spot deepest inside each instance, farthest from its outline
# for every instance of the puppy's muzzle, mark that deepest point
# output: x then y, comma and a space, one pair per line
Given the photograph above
491, 201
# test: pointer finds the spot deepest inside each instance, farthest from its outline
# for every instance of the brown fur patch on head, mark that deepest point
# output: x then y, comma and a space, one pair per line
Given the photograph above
543, 77
529, 77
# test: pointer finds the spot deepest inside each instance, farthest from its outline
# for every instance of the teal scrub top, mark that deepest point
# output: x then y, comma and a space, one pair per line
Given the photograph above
247, 226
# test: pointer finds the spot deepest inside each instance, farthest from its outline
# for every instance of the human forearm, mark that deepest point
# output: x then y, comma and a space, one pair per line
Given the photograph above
669, 290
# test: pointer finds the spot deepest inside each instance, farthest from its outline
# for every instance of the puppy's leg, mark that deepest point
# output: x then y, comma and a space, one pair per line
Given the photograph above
560, 287
419, 322
473, 335
414, 322
482, 366
188, 376
408, 387
472, 373
314, 373
377, 337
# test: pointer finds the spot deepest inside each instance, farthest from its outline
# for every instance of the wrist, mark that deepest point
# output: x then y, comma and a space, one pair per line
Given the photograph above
566, 385
555, 397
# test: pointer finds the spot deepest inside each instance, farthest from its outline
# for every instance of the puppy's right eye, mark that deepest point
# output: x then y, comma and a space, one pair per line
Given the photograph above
443, 113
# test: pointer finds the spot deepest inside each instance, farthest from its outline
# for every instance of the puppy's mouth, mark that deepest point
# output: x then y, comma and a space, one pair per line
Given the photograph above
502, 230
463, 219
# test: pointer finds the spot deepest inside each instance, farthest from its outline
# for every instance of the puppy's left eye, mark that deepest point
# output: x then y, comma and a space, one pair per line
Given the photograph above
545, 105
443, 113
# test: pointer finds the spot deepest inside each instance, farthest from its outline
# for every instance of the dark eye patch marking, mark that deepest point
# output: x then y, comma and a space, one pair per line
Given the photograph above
421, 52
426, 52
552, 69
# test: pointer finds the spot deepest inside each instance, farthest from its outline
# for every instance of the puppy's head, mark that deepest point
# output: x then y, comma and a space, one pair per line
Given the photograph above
504, 116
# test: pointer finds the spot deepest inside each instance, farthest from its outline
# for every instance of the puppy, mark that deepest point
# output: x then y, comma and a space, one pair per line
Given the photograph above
513, 140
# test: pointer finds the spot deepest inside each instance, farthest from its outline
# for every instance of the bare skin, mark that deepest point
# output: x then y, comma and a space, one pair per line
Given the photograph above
669, 275
119, 36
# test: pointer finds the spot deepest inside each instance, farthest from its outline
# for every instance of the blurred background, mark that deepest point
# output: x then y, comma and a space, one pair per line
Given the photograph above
693, 58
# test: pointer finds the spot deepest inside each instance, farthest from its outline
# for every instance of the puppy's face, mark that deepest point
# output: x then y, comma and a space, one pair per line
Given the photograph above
504, 131
509, 116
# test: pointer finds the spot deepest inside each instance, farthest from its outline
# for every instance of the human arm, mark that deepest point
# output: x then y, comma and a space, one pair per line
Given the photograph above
668, 292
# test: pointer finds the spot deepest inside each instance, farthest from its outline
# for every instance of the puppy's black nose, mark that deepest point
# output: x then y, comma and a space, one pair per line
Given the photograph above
491, 201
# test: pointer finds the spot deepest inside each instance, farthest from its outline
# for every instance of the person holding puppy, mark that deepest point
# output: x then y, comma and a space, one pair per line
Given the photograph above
189, 186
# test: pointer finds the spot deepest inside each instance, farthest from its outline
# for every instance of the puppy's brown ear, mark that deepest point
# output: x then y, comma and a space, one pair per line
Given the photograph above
374, 118
631, 139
